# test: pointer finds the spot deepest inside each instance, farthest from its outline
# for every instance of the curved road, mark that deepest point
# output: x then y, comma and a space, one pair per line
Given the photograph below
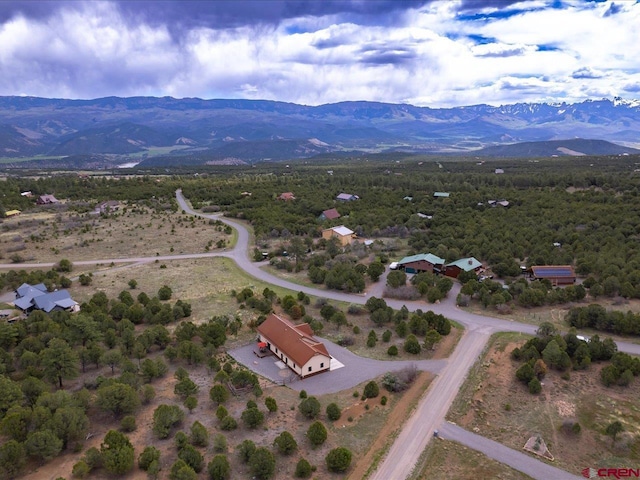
430, 412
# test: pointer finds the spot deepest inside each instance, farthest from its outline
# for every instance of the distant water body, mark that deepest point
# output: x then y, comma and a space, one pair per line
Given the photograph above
128, 165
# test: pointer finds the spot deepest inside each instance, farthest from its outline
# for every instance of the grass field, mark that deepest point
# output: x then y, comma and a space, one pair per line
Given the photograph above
27, 159
50, 235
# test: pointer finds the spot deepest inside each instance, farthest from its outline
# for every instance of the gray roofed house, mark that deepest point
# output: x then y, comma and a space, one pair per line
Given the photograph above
107, 207
36, 297
46, 200
347, 197
26, 289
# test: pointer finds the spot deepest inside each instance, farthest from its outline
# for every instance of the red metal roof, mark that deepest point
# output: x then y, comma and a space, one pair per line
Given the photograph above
294, 340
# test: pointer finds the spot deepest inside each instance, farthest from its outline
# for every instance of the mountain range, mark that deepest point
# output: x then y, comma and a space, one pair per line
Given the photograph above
191, 130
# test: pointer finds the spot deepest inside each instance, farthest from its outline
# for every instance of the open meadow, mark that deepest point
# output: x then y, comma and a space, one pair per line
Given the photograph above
48, 234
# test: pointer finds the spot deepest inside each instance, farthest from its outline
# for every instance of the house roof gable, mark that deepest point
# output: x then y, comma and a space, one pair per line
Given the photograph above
295, 341
466, 264
347, 196
49, 301
41, 299
342, 230
331, 214
427, 257
33, 290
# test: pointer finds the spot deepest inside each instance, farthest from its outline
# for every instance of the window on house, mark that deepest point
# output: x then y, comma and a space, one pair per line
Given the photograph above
322, 365
309, 368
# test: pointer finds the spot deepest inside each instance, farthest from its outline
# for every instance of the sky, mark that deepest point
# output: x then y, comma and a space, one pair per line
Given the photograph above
442, 53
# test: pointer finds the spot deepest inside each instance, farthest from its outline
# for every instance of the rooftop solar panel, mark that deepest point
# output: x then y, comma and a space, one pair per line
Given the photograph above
553, 272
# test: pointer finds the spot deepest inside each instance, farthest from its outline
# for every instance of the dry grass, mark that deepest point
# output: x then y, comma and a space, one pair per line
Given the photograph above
286, 418
206, 283
51, 235
494, 404
452, 461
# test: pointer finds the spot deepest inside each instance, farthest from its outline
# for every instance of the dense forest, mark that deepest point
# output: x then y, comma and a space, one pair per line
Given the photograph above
580, 211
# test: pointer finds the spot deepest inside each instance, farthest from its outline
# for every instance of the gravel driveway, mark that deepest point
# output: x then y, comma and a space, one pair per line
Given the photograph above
355, 371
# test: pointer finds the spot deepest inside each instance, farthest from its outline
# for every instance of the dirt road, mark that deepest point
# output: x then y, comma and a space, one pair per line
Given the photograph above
433, 407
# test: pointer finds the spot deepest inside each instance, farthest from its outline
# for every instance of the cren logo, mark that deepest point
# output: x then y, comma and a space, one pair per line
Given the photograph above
611, 473
589, 473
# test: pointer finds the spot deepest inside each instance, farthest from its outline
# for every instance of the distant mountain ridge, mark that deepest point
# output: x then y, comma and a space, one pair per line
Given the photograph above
255, 130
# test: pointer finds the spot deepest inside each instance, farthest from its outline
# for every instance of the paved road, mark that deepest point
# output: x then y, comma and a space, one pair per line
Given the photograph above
522, 462
356, 369
433, 407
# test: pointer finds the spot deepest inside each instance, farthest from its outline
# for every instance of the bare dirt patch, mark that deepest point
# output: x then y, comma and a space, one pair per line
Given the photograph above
132, 231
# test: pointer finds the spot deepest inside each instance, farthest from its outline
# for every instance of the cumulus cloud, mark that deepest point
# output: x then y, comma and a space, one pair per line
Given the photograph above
423, 52
586, 72
500, 50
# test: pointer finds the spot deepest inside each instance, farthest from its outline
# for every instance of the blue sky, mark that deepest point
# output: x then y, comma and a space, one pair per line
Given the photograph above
427, 53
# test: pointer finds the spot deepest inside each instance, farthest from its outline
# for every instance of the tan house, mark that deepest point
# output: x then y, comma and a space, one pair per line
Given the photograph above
294, 345
342, 233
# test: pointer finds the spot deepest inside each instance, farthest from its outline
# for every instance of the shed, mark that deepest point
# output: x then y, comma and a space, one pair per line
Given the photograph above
441, 194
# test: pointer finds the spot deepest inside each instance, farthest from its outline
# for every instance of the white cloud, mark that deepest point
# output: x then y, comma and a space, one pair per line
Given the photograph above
569, 53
